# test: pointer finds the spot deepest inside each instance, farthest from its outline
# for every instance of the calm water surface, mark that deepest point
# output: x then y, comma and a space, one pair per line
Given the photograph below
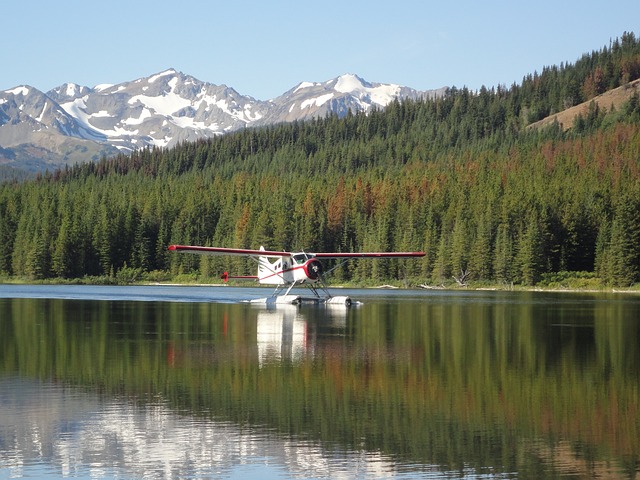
190, 382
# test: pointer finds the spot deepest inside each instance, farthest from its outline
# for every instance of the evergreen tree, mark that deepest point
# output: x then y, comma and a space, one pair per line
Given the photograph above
63, 257
38, 260
481, 259
529, 257
624, 242
504, 254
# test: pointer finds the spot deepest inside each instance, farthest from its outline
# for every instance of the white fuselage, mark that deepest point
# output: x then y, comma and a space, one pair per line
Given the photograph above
298, 268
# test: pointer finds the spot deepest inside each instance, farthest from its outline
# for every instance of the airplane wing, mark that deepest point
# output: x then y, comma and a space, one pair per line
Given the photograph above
368, 255
269, 253
227, 251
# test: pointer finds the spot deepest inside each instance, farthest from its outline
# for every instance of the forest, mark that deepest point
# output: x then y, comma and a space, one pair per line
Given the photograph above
462, 178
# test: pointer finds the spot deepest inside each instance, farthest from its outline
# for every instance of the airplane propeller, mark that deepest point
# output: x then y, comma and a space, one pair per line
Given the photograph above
314, 269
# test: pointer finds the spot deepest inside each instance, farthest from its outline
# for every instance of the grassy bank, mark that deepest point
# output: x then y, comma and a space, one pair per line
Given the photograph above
561, 281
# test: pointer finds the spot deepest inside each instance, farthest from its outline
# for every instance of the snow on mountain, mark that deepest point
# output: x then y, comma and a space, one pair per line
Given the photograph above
29, 112
37, 133
379, 94
339, 95
162, 110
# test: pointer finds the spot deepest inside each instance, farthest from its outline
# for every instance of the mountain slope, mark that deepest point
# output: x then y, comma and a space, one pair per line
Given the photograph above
36, 132
613, 98
74, 123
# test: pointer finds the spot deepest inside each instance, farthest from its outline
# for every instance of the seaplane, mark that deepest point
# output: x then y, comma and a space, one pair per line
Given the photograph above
286, 270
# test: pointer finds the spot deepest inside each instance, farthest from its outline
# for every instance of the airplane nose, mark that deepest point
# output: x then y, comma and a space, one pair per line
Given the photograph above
313, 269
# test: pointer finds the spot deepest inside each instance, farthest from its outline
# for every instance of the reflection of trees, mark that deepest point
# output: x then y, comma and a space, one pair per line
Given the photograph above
83, 435
428, 382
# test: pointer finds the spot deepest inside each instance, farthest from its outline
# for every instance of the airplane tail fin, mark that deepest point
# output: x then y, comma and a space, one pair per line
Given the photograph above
264, 266
267, 272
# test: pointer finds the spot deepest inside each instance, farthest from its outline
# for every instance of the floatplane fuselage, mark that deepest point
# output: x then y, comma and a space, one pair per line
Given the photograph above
286, 270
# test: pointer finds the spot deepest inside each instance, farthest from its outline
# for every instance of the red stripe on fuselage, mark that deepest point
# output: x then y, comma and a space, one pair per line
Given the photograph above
280, 273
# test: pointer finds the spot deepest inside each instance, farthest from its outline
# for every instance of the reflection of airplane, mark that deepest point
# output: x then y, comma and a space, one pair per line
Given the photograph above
281, 334
291, 269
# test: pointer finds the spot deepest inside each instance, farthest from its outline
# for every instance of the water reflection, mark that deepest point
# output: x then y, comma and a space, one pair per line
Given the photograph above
483, 383
66, 432
281, 334
283, 331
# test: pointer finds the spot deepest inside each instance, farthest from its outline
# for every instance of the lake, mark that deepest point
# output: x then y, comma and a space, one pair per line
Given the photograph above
192, 382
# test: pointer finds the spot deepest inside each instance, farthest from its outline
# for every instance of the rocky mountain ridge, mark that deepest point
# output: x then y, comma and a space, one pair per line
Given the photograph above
73, 123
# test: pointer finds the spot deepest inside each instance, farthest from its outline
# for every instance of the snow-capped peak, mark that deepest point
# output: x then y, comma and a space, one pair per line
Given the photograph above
72, 89
21, 90
155, 77
350, 83
304, 85
68, 91
380, 94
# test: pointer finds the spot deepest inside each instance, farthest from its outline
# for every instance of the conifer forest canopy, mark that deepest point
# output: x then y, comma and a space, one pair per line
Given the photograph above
461, 177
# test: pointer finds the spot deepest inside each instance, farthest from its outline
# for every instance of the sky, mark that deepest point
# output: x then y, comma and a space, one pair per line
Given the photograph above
263, 48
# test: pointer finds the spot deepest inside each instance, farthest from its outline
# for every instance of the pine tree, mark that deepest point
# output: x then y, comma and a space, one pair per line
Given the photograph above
102, 242
460, 239
7, 232
603, 251
625, 239
529, 257
62, 257
442, 265
504, 254
481, 255
38, 259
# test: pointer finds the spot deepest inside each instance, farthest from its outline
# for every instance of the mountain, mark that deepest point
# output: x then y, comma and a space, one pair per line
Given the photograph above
348, 92
36, 131
74, 123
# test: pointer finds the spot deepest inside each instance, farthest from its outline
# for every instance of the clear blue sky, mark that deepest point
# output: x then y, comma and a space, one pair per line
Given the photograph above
264, 47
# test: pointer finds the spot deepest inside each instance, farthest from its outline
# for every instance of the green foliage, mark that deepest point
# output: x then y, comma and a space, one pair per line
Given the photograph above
127, 275
571, 280
625, 242
459, 177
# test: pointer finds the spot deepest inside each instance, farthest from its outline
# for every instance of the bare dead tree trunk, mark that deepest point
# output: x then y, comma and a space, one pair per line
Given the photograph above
461, 279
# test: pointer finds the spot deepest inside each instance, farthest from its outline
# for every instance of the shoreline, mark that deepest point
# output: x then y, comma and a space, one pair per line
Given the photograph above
445, 288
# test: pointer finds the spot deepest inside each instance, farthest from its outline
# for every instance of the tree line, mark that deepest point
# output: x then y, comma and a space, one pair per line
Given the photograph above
459, 177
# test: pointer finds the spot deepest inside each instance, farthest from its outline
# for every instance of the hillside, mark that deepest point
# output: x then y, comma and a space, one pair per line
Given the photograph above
613, 98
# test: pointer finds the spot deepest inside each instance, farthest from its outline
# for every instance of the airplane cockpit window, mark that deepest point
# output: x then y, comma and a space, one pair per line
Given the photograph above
300, 258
